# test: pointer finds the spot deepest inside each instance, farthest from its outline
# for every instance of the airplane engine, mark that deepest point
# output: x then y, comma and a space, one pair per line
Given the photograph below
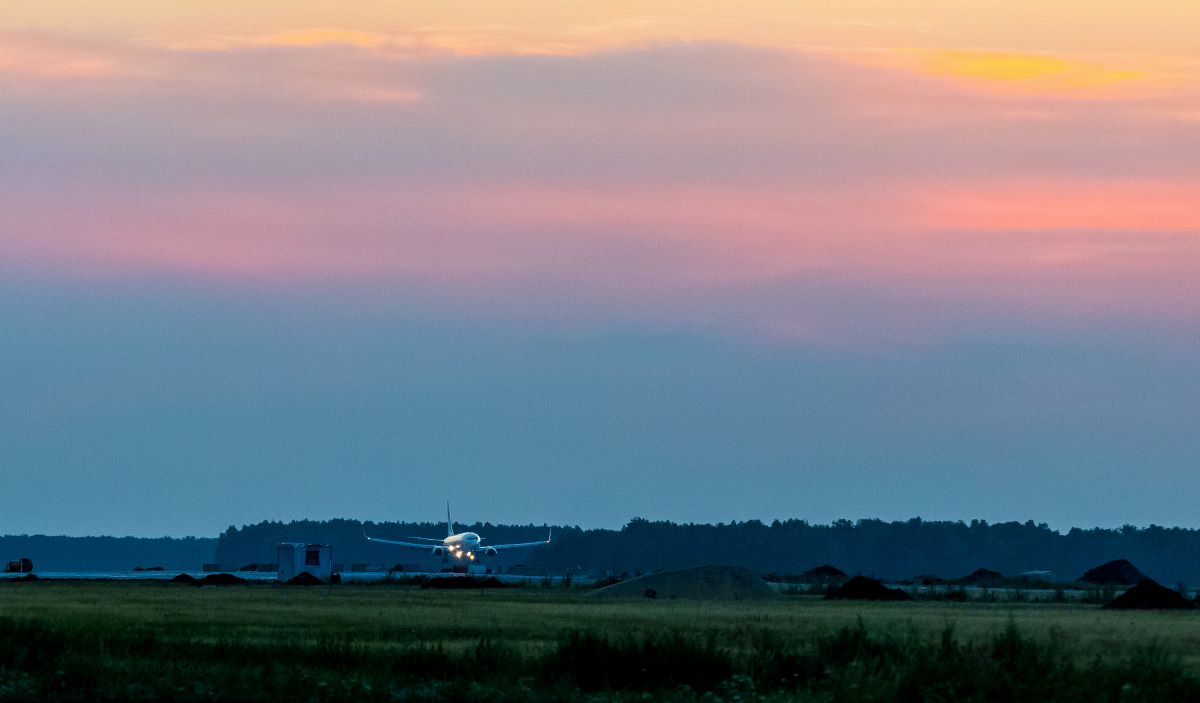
490, 552
438, 552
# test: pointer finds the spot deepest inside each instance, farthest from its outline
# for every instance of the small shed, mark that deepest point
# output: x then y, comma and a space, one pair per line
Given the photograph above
296, 558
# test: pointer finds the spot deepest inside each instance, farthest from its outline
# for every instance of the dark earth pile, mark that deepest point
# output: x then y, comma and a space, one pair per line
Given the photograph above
824, 571
699, 583
454, 582
1150, 595
183, 578
983, 577
863, 588
1119, 572
221, 580
304, 578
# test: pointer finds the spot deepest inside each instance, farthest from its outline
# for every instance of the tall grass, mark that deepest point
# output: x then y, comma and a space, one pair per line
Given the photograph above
63, 660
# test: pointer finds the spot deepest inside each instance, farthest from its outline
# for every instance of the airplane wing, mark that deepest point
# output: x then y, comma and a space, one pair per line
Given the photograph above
522, 544
407, 545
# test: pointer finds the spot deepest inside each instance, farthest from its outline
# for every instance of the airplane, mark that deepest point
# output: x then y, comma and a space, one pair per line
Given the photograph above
464, 545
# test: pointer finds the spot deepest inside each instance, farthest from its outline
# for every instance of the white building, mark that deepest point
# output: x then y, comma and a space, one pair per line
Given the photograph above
295, 558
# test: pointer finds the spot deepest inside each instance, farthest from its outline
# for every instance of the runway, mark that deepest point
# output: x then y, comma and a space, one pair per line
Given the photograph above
357, 577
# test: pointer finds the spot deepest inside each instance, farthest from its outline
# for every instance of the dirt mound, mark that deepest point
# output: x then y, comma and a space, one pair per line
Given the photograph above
183, 578
304, 578
863, 588
983, 577
1119, 572
456, 582
824, 571
1150, 595
221, 580
700, 583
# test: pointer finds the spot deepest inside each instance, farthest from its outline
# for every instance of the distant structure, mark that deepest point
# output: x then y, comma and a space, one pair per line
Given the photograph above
1046, 576
19, 566
296, 558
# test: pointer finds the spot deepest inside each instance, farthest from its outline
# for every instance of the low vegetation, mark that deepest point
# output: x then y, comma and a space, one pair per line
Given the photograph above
109, 641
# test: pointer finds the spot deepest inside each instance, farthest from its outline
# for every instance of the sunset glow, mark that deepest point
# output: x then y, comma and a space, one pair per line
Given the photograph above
867, 178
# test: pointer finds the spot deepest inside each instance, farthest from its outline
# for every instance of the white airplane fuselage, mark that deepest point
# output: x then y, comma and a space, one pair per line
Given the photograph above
464, 545
464, 542
463, 539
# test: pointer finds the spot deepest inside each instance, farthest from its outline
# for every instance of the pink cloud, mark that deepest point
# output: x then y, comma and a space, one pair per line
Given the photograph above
626, 248
1077, 204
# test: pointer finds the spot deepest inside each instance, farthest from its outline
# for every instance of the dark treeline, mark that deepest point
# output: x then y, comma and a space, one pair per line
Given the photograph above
893, 550
53, 553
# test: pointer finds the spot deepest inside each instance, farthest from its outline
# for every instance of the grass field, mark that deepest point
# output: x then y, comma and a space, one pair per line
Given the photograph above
116, 641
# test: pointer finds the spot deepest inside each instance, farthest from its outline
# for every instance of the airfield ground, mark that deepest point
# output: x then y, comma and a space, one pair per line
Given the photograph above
97, 640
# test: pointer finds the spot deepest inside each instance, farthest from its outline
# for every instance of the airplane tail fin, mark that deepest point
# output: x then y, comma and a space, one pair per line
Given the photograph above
449, 524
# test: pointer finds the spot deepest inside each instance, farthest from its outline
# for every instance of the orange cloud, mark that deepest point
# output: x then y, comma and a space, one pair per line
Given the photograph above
45, 64
456, 40
324, 36
1029, 73
1016, 67
39, 57
1166, 26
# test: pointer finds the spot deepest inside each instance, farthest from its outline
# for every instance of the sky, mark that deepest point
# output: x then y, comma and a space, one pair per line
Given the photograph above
580, 262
